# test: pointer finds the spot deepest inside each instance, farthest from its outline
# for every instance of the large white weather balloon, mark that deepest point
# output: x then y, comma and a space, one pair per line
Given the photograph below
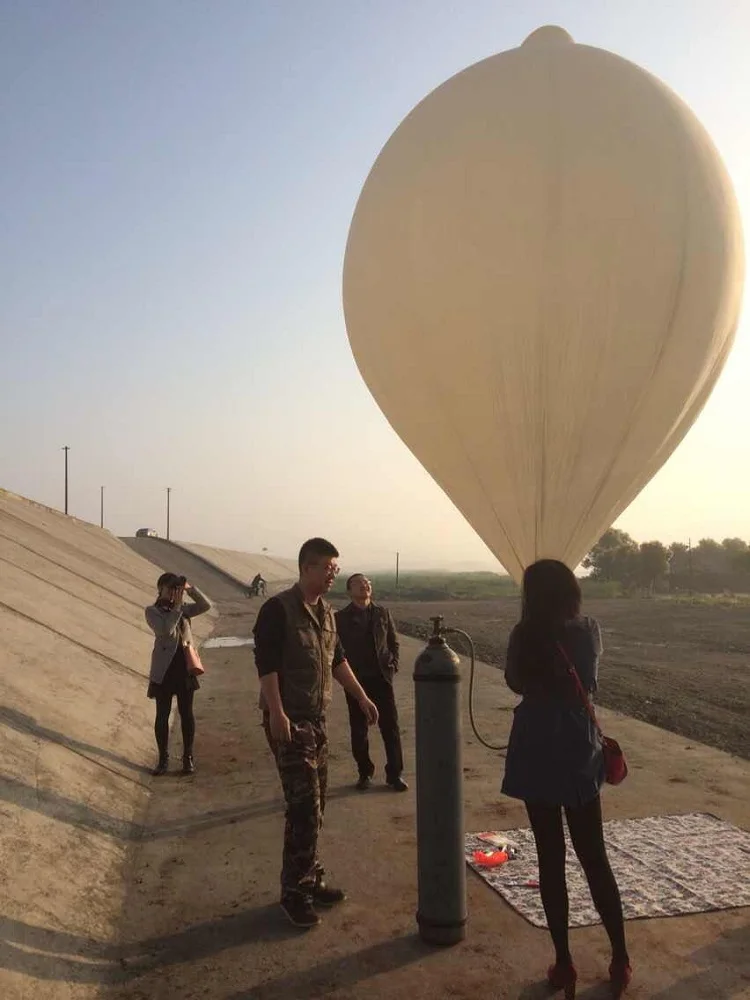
541, 286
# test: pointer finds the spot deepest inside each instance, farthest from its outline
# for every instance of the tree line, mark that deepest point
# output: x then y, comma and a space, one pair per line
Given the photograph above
710, 567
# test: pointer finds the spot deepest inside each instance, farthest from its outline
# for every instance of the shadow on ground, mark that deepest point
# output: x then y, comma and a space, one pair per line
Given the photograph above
724, 970
23, 723
343, 972
723, 973
84, 817
56, 955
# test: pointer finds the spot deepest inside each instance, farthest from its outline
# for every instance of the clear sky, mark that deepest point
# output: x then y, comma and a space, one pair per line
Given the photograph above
177, 180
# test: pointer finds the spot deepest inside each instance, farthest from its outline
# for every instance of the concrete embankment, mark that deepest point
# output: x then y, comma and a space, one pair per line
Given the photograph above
229, 570
244, 565
76, 743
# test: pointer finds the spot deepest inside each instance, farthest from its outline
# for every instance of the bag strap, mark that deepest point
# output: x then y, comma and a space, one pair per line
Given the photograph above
579, 687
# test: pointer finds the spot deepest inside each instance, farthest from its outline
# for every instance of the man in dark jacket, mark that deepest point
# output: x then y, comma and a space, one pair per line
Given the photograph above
371, 647
298, 655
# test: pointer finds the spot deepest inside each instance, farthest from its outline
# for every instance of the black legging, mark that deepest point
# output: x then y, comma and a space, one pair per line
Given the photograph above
587, 837
187, 719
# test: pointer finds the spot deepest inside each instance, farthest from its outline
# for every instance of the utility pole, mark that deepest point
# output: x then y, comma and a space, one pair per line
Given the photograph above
169, 490
66, 449
101, 507
690, 565
397, 556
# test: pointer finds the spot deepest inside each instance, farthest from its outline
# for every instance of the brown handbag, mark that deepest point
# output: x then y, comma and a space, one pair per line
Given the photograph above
194, 666
615, 765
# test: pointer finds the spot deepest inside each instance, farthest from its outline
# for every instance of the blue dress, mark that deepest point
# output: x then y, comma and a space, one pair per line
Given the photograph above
554, 756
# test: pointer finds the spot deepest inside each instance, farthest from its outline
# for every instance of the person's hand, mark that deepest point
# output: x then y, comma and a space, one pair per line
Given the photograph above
280, 726
370, 711
187, 586
177, 595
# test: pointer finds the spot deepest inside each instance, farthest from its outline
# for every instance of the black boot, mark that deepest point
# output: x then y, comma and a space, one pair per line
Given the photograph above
162, 766
188, 764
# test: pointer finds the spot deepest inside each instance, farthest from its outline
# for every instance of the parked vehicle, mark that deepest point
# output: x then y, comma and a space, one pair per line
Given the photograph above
146, 533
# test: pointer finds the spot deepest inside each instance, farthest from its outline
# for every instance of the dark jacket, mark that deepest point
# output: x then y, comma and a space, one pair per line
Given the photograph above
380, 641
554, 756
303, 649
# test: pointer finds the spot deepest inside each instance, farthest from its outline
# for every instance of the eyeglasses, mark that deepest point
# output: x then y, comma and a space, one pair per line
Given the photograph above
328, 569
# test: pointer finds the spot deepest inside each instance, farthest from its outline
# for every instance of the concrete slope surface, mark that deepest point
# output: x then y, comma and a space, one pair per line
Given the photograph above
76, 744
244, 565
214, 580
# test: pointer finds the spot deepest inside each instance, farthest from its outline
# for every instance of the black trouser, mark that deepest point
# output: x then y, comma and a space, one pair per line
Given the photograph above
380, 691
587, 837
187, 720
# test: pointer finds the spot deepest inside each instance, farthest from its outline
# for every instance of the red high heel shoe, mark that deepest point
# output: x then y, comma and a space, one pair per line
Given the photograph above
563, 976
620, 974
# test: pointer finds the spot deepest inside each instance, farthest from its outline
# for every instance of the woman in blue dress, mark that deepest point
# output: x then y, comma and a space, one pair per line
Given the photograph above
555, 762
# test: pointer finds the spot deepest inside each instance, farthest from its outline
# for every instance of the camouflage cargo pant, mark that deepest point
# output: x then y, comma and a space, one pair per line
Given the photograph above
303, 769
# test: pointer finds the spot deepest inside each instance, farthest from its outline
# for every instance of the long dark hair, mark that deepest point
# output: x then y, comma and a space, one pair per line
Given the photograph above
551, 595
551, 598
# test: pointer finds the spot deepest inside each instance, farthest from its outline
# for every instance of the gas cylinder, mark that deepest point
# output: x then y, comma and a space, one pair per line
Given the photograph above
441, 913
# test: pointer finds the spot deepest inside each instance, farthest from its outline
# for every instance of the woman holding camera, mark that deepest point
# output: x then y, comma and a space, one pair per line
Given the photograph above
169, 620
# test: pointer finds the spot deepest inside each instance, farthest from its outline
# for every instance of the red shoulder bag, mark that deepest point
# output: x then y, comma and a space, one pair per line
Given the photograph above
615, 765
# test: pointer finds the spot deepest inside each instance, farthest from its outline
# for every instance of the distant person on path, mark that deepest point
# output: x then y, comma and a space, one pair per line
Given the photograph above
554, 761
258, 586
169, 620
371, 647
297, 653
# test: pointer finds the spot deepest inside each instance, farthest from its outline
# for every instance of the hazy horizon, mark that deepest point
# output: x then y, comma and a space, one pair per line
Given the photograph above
177, 186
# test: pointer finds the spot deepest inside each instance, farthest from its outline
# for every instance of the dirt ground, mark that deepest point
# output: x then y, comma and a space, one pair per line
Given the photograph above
685, 668
201, 918
172, 892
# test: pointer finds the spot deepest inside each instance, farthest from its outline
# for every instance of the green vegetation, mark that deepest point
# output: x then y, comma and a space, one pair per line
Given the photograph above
708, 600
437, 586
710, 567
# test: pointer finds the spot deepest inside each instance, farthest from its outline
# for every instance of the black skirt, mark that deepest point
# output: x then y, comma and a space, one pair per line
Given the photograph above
177, 680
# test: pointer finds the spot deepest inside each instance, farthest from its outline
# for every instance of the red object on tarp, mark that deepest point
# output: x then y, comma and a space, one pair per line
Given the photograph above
491, 859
